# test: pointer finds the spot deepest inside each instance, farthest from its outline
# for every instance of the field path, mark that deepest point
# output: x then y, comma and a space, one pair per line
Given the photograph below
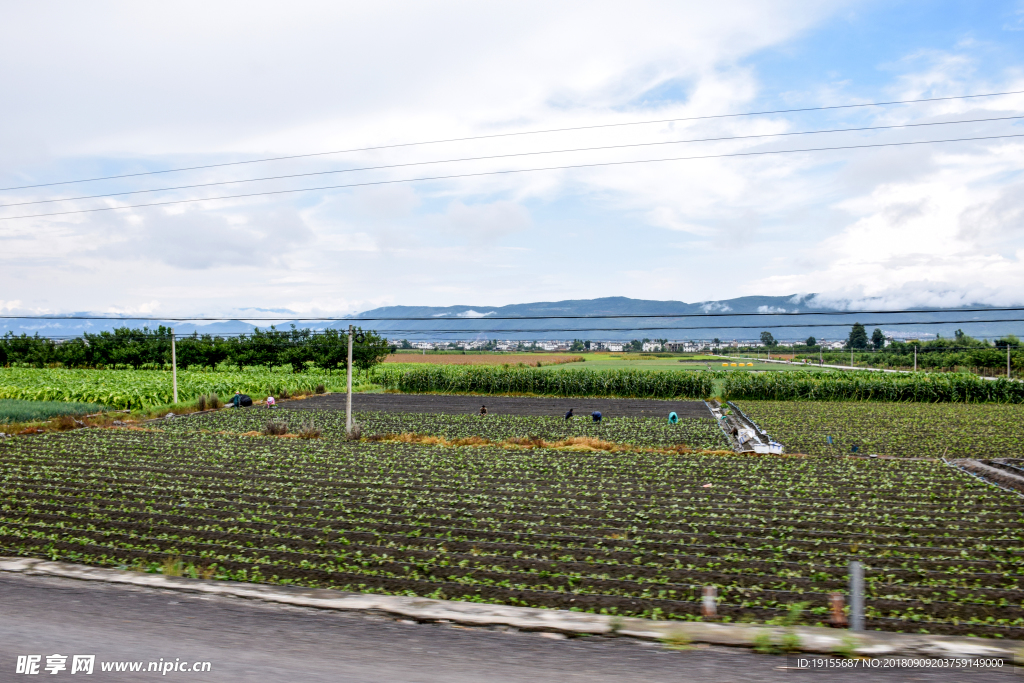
503, 405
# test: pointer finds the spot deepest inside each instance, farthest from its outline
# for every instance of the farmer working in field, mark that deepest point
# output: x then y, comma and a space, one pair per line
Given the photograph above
483, 410
236, 401
568, 415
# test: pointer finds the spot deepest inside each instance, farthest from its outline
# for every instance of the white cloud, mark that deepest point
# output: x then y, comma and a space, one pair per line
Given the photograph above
203, 83
147, 308
485, 222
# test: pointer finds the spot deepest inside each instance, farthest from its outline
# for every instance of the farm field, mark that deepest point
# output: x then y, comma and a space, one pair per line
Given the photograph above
135, 389
146, 389
934, 430
541, 406
599, 361
701, 433
483, 358
621, 532
567, 381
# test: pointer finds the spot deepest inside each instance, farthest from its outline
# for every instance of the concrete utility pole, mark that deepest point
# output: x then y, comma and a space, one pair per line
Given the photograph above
1007, 360
174, 368
856, 596
915, 359
348, 400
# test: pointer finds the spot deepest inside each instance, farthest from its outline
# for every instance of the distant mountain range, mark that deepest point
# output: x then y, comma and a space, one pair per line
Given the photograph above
484, 322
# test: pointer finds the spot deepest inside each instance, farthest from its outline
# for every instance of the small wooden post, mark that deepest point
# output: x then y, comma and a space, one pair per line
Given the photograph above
837, 617
709, 606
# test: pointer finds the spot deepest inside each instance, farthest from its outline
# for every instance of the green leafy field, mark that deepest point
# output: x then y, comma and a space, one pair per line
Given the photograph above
14, 410
147, 388
619, 533
486, 379
696, 433
932, 430
871, 386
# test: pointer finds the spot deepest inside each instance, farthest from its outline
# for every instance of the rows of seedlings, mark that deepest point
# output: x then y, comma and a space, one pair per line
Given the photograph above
936, 430
615, 532
697, 433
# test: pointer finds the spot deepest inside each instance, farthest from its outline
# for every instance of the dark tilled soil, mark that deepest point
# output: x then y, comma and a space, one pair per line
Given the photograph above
503, 405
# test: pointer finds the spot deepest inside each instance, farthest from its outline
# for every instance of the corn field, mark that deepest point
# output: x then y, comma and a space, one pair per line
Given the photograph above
148, 388
528, 380
871, 386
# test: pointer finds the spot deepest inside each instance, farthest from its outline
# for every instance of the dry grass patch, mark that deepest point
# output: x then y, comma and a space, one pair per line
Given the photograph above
575, 443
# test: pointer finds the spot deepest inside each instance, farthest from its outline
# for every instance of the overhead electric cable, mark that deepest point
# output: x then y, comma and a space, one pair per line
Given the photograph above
698, 327
509, 172
183, 336
488, 318
506, 156
658, 327
513, 134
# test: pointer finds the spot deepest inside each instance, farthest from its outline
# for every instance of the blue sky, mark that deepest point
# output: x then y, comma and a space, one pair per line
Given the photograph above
119, 88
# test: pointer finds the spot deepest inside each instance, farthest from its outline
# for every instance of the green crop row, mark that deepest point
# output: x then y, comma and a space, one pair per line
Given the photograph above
696, 433
871, 386
925, 430
529, 380
15, 410
146, 388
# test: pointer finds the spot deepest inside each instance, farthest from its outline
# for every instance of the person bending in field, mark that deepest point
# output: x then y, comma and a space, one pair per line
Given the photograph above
568, 415
271, 403
236, 401
483, 410
596, 415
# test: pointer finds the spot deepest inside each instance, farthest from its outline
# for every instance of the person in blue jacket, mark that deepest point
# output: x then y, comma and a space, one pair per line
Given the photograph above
596, 415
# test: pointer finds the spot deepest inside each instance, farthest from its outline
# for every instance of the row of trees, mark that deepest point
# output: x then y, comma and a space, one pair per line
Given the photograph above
960, 351
137, 348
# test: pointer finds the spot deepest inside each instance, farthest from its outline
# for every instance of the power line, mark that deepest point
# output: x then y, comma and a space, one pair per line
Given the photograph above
507, 156
661, 327
509, 172
700, 327
489, 318
503, 135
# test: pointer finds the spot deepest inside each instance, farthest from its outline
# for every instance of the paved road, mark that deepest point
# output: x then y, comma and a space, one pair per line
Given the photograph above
503, 405
251, 641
